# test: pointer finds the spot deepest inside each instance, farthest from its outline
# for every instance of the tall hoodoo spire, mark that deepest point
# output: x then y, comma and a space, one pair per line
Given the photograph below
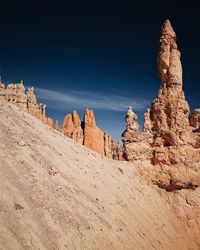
168, 136
169, 110
169, 64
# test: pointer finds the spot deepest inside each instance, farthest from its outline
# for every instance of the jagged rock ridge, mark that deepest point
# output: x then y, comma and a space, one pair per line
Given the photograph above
84, 132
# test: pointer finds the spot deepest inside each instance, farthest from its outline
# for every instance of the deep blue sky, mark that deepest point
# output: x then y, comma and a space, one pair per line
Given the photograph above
96, 54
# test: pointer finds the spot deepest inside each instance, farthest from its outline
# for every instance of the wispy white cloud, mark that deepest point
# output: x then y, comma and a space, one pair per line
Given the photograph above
94, 100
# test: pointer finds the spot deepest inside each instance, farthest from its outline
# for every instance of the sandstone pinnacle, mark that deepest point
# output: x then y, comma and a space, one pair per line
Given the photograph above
88, 134
168, 136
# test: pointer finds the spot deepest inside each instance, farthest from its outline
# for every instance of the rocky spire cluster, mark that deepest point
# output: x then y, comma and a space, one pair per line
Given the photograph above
170, 136
88, 134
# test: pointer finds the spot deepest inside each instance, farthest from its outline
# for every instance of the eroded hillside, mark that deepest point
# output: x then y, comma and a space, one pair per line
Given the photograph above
56, 194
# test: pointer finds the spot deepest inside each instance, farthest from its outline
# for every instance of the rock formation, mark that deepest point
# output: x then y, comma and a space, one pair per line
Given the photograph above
117, 153
136, 144
71, 127
93, 136
108, 145
88, 134
195, 119
168, 136
14, 93
85, 132
25, 100
56, 125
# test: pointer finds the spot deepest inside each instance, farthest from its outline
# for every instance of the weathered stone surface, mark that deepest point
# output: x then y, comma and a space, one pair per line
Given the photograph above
71, 127
117, 153
168, 136
195, 118
15, 93
93, 136
136, 144
170, 110
88, 134
131, 121
49, 122
107, 145
68, 126
78, 131
31, 101
147, 122
97, 140
56, 125
25, 100
85, 133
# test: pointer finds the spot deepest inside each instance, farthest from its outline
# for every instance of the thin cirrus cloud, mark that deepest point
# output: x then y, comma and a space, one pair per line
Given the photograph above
93, 100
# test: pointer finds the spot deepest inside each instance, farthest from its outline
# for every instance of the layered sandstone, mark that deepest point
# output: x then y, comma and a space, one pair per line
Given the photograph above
168, 136
88, 134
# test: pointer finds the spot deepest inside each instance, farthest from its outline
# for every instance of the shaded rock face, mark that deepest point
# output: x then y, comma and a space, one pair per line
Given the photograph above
88, 134
168, 136
195, 118
25, 100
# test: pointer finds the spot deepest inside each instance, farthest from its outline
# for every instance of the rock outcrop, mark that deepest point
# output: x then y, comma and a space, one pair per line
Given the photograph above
84, 132
195, 119
93, 136
168, 136
14, 93
25, 100
136, 144
88, 134
71, 127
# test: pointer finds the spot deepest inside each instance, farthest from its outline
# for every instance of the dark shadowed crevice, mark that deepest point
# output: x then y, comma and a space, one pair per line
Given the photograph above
174, 186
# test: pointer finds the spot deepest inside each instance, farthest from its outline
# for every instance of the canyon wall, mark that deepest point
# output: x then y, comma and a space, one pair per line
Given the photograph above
171, 135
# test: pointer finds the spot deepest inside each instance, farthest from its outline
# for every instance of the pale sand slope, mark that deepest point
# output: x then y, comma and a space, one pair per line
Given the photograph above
73, 198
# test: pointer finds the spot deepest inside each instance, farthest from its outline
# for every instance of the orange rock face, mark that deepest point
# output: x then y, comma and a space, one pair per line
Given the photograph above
93, 136
71, 127
56, 125
169, 136
88, 134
